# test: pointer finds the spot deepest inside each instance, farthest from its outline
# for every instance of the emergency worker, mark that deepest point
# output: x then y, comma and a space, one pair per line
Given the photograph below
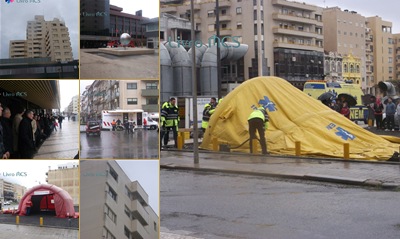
258, 121
209, 109
169, 121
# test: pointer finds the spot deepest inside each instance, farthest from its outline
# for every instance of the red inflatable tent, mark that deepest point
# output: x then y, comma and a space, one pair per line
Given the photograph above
47, 197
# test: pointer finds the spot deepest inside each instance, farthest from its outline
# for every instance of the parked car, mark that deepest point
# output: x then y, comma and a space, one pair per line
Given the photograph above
93, 127
7, 203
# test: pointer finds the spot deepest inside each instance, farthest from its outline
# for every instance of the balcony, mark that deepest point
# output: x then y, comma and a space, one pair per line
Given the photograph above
135, 187
224, 4
138, 230
294, 45
150, 108
150, 92
139, 212
297, 5
295, 18
289, 30
225, 32
225, 18
169, 9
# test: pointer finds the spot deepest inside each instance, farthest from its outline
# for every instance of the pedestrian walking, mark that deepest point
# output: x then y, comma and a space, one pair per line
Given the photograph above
60, 120
258, 121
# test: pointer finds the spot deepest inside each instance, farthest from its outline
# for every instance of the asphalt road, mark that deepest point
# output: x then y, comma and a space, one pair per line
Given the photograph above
216, 206
143, 144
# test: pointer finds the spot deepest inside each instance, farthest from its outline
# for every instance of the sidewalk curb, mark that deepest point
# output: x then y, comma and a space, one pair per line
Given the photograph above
310, 177
307, 157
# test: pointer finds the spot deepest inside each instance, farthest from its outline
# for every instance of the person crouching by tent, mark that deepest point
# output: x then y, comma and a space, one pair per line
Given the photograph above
28, 207
258, 120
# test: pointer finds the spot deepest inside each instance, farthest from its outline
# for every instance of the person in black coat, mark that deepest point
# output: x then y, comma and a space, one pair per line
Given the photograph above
6, 123
26, 144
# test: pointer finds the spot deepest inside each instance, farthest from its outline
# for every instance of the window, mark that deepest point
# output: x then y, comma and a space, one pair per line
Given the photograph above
223, 12
127, 212
390, 69
238, 10
112, 193
390, 40
108, 234
152, 100
210, 13
151, 86
127, 232
132, 101
390, 60
113, 174
239, 25
155, 226
390, 50
110, 214
131, 86
339, 32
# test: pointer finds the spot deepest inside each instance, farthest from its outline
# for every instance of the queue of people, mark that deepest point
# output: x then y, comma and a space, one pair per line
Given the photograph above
22, 135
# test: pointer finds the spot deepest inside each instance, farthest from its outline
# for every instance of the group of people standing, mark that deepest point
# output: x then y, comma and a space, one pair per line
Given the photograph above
21, 135
376, 109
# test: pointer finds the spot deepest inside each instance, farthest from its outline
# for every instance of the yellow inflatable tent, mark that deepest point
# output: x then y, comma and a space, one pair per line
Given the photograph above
294, 116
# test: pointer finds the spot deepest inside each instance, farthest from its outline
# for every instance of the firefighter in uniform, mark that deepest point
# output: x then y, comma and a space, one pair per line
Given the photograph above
209, 109
169, 121
258, 121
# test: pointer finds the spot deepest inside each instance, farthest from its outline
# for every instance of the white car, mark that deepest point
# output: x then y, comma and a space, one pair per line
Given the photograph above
7, 203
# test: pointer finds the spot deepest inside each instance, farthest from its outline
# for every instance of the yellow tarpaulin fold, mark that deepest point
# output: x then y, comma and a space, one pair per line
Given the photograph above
294, 116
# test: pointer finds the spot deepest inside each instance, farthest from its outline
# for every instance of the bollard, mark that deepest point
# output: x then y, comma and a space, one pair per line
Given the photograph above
41, 221
298, 148
346, 150
180, 144
255, 146
17, 220
215, 144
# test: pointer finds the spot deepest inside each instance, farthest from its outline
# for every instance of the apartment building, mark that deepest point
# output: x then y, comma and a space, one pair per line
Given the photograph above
66, 176
346, 36
383, 49
397, 56
10, 191
121, 207
124, 94
44, 39
285, 38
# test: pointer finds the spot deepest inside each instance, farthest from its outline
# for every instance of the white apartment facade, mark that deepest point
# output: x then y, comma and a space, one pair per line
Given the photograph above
112, 206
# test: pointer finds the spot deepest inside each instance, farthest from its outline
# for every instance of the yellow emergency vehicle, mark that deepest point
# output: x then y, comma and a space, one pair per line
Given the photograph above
315, 88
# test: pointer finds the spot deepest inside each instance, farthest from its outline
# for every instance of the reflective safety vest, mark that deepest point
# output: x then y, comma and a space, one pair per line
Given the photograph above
169, 115
261, 114
207, 112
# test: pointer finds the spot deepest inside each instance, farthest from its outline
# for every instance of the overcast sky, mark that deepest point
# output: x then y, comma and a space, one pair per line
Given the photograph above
68, 89
83, 84
146, 172
35, 170
14, 18
386, 9
150, 8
